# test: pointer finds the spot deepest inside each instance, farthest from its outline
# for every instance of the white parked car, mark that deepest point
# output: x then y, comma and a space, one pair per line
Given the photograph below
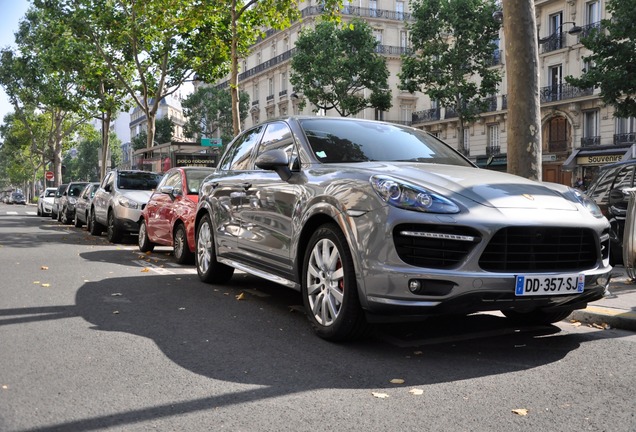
45, 202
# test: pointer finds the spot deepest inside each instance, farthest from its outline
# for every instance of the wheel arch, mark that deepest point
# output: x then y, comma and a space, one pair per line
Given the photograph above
346, 227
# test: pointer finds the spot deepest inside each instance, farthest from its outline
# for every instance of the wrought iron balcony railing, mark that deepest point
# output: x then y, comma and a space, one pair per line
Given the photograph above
563, 91
625, 138
426, 115
493, 150
590, 141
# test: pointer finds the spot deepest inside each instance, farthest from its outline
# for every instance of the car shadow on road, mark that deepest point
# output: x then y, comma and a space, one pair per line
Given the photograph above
253, 332
250, 335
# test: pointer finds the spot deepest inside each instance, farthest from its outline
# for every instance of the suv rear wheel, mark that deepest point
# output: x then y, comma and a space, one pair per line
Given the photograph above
95, 228
180, 244
113, 233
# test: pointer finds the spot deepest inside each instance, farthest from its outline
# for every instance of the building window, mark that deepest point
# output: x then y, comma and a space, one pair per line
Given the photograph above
404, 41
283, 82
255, 93
591, 134
406, 114
625, 130
557, 135
373, 8
270, 86
593, 12
399, 10
590, 123
493, 147
555, 75
274, 49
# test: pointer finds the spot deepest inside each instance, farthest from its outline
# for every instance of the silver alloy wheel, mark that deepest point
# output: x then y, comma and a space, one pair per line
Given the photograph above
204, 244
325, 282
179, 243
141, 240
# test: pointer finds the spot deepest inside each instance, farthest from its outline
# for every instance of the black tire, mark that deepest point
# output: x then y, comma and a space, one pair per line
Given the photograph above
39, 211
64, 216
53, 215
95, 228
180, 245
537, 316
76, 222
329, 294
208, 268
113, 234
144, 243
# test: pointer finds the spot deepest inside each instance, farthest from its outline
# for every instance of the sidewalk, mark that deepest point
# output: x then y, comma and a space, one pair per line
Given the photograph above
618, 309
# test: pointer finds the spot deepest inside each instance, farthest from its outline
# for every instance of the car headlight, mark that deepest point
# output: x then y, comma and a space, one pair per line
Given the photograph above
586, 202
410, 197
127, 202
72, 201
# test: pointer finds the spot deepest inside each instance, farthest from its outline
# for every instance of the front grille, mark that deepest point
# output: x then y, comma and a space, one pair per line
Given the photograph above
434, 246
538, 249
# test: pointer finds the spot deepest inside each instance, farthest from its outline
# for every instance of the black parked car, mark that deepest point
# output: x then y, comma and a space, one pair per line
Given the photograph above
610, 190
83, 205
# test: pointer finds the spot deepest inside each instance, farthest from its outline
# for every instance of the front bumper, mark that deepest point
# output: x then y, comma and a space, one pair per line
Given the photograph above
127, 219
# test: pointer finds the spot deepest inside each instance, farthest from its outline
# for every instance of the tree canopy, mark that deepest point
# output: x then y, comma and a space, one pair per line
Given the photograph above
209, 109
453, 46
612, 64
338, 67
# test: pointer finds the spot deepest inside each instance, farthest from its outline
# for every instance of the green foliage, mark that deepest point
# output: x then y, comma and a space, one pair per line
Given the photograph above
164, 130
209, 109
334, 66
453, 48
613, 59
139, 141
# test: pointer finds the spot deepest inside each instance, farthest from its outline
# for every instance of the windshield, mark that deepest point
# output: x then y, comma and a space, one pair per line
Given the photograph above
49, 193
335, 140
138, 180
194, 179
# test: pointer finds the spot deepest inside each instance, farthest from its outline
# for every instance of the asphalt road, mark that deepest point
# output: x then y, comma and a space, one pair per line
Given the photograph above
96, 337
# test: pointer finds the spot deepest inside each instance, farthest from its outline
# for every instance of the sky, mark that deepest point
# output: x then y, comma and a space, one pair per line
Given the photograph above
11, 11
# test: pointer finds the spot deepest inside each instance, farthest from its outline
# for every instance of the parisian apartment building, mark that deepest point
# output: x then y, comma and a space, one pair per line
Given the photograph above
579, 133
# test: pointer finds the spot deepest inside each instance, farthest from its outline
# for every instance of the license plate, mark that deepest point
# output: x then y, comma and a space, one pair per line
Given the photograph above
528, 285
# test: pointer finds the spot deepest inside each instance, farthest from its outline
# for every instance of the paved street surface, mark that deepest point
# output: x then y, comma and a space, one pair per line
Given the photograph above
100, 337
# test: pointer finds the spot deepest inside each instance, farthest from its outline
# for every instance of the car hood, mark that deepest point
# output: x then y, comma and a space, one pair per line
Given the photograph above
141, 196
481, 186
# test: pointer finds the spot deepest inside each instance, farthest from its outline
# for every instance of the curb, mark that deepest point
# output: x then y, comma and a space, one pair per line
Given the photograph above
615, 318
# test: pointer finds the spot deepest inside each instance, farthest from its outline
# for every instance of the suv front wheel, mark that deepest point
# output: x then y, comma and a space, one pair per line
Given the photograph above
95, 228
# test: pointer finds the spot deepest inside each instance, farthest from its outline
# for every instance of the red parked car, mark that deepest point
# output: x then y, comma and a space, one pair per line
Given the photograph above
168, 218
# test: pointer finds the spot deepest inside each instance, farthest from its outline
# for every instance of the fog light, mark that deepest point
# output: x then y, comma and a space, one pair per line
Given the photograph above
414, 286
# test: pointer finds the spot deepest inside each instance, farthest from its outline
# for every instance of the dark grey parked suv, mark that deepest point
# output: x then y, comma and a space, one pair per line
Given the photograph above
376, 221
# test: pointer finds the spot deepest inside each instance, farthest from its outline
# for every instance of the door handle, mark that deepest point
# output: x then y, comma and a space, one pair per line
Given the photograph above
246, 186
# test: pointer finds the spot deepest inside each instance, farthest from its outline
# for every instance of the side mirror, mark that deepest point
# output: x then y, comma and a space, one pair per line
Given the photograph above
275, 160
108, 187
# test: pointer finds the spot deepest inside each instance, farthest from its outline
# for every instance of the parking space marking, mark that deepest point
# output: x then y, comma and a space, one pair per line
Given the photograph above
153, 267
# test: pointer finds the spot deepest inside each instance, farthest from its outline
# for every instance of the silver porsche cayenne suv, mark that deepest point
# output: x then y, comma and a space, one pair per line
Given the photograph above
376, 222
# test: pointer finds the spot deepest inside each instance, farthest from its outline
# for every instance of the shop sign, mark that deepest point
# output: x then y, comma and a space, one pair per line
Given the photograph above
195, 159
598, 160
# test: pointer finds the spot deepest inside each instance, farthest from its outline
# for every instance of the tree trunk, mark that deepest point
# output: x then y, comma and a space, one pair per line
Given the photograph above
236, 114
522, 70
151, 116
106, 120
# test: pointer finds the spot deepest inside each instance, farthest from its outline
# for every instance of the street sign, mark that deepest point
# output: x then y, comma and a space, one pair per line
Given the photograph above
49, 175
211, 142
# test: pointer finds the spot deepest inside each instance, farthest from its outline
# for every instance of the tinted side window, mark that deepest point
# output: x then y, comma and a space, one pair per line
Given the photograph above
238, 156
624, 179
599, 191
278, 136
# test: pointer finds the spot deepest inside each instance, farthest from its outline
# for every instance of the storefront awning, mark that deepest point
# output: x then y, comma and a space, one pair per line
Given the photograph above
596, 156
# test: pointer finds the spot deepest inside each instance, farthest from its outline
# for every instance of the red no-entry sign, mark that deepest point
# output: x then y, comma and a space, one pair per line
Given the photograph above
49, 175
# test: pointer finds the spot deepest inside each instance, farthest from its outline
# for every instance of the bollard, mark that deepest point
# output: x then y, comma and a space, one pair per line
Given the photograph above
629, 237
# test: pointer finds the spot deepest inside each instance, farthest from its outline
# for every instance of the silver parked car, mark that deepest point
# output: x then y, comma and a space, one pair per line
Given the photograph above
119, 200
83, 205
373, 221
45, 202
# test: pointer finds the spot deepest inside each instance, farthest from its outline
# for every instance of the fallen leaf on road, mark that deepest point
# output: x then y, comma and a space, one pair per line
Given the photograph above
44, 268
5, 387
46, 285
36, 282
115, 294
145, 270
416, 391
576, 323
602, 326
397, 381
115, 312
380, 395
520, 411
417, 352
241, 296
